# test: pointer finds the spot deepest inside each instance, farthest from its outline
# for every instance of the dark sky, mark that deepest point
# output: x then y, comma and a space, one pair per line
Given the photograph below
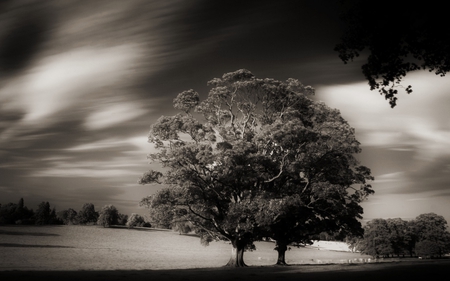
82, 81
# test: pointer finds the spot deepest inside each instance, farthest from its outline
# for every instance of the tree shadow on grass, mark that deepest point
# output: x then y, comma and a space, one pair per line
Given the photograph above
367, 272
15, 245
6, 232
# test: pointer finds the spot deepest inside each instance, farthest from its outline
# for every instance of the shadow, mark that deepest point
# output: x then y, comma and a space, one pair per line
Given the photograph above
140, 228
31, 246
6, 232
375, 272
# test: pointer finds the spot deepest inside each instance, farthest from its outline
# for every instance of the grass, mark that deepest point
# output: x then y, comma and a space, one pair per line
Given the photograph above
96, 253
98, 248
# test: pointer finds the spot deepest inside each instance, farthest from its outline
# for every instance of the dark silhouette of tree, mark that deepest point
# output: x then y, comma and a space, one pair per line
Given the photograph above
16, 213
87, 214
162, 213
426, 235
42, 215
377, 239
400, 236
433, 238
135, 220
108, 216
395, 39
264, 148
122, 219
68, 216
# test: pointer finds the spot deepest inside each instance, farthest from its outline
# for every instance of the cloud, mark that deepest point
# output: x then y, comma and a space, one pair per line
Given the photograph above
107, 169
65, 83
420, 121
112, 115
416, 133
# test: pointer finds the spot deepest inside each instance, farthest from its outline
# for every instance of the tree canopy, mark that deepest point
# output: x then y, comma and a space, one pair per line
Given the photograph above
397, 39
108, 216
257, 158
426, 235
87, 214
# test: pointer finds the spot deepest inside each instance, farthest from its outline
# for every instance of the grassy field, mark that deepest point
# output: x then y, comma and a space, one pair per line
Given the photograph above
96, 253
98, 248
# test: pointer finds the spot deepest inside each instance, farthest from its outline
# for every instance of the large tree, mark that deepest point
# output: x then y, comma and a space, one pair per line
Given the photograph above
395, 39
265, 158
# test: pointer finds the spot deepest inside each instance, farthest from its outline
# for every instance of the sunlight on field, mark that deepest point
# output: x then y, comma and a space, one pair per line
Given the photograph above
98, 248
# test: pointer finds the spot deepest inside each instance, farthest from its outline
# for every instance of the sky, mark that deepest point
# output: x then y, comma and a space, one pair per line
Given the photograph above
82, 81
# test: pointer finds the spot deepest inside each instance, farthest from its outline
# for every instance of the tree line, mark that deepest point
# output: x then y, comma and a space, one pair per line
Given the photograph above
425, 236
12, 213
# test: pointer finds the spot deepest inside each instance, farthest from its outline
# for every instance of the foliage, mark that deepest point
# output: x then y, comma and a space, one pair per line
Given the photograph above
376, 240
44, 215
266, 162
87, 214
108, 216
11, 213
431, 231
426, 235
426, 248
122, 219
398, 38
68, 216
135, 220
161, 212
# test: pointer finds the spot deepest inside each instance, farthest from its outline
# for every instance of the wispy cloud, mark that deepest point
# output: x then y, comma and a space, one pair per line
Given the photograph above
109, 116
420, 120
419, 127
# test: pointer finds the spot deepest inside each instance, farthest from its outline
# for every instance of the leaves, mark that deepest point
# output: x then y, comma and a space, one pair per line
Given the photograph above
267, 162
393, 54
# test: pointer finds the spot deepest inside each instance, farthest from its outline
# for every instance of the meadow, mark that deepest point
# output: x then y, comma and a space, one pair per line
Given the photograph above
74, 247
81, 251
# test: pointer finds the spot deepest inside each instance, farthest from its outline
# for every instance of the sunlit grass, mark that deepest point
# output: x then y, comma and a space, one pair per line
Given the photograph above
98, 248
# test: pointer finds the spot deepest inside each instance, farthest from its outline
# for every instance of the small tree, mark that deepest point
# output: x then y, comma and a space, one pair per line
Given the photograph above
135, 220
68, 216
43, 214
161, 214
122, 220
433, 239
108, 216
87, 214
376, 241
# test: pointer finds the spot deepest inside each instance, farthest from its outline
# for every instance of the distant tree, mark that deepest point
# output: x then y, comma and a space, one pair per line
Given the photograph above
163, 211
87, 214
16, 213
428, 249
399, 235
68, 216
397, 39
43, 214
122, 219
7, 213
108, 216
433, 239
135, 220
377, 239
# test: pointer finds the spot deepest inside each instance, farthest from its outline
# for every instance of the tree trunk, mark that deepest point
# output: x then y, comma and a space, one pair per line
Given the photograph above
281, 249
237, 254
